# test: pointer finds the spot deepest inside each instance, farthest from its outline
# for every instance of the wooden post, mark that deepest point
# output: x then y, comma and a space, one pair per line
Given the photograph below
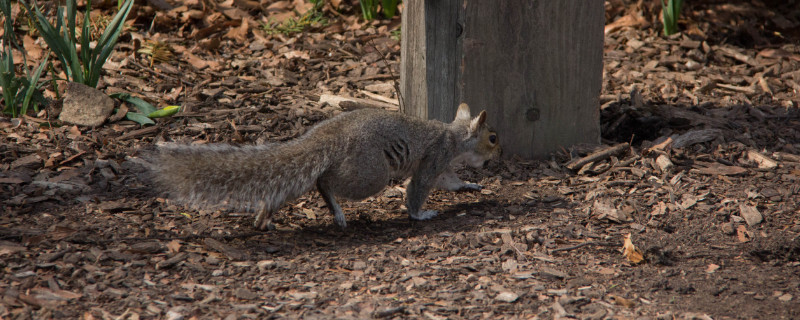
534, 65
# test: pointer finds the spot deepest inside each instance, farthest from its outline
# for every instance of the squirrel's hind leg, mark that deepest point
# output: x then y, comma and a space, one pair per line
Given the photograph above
264, 220
330, 201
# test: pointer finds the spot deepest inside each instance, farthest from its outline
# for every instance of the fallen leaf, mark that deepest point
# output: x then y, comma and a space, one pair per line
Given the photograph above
33, 50
620, 301
198, 62
633, 254
631, 20
712, 268
174, 246
239, 33
743, 234
310, 213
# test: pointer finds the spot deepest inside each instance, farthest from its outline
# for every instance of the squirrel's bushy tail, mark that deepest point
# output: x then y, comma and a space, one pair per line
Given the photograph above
248, 178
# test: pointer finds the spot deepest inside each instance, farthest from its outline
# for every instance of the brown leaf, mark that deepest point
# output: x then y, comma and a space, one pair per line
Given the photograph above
622, 301
743, 234
33, 50
239, 33
631, 20
198, 62
174, 246
633, 254
712, 268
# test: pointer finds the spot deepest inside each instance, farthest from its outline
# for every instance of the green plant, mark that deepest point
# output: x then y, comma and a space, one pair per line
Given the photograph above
397, 34
146, 110
369, 8
670, 13
84, 66
312, 17
18, 92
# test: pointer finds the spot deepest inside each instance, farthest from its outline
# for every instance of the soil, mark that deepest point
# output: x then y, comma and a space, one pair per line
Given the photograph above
699, 167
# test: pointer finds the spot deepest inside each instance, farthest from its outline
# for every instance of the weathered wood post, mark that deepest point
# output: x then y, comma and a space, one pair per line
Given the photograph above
534, 65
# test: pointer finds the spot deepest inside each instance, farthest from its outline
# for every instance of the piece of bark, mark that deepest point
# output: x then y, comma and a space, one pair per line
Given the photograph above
662, 146
694, 137
169, 263
763, 161
718, 169
750, 214
605, 153
783, 156
663, 163
231, 252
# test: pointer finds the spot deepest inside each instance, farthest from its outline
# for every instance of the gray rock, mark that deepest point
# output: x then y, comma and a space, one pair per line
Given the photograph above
85, 106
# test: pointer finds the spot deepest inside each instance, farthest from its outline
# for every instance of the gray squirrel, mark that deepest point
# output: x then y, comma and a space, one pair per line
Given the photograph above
353, 155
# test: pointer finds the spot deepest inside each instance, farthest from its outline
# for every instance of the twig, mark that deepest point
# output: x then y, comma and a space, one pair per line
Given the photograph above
599, 155
394, 80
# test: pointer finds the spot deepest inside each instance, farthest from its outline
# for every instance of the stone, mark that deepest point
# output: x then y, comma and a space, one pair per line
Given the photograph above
85, 106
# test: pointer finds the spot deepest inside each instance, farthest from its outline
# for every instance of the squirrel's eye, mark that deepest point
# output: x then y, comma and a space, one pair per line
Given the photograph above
493, 139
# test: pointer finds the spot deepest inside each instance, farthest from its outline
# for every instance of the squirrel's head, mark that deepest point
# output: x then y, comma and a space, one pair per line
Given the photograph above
481, 141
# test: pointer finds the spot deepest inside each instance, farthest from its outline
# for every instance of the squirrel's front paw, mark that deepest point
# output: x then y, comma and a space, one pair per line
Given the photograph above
471, 187
424, 215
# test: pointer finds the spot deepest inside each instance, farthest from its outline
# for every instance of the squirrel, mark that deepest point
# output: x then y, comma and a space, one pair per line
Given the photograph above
353, 155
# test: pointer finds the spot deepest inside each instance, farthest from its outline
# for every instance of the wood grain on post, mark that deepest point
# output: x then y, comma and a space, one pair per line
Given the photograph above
535, 66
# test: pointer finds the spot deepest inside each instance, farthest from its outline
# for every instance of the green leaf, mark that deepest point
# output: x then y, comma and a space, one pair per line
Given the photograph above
32, 86
139, 118
105, 45
143, 106
165, 112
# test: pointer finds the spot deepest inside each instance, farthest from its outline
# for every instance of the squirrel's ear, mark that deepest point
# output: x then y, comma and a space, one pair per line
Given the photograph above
478, 121
463, 112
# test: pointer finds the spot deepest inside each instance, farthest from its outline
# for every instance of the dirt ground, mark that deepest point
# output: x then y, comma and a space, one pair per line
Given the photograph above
700, 165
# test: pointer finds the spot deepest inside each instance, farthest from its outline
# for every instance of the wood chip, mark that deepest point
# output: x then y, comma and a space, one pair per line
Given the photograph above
761, 160
695, 137
231, 252
663, 163
750, 214
507, 296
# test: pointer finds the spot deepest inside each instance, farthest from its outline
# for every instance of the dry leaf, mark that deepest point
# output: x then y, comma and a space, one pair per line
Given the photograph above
622, 301
174, 246
239, 33
743, 234
33, 50
198, 62
712, 268
633, 254
631, 20
310, 213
